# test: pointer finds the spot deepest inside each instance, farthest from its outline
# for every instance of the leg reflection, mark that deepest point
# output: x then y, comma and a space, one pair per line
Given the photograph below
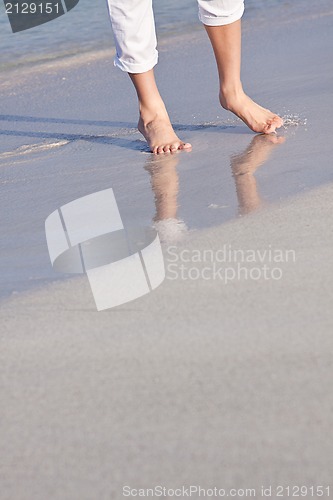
165, 184
245, 164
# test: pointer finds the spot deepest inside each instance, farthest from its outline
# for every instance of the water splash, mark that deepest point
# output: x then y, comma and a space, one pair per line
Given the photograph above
291, 120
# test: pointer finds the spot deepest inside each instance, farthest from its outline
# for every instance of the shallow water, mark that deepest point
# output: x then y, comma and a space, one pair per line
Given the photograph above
87, 27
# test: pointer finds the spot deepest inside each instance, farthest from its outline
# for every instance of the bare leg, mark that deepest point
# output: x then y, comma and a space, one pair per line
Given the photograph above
226, 43
154, 122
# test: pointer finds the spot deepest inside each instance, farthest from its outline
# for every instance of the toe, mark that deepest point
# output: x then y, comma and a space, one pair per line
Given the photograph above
277, 120
185, 145
167, 148
160, 150
269, 127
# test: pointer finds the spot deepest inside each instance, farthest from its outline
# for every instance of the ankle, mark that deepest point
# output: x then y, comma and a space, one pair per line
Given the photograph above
230, 94
152, 110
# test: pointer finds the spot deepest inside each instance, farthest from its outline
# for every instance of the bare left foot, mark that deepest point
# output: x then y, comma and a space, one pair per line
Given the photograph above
156, 128
256, 117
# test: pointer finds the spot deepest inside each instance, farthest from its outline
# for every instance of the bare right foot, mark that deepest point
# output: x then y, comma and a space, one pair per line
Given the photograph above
156, 128
256, 117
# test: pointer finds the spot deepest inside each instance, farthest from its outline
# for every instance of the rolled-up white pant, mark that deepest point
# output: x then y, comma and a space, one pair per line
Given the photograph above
134, 28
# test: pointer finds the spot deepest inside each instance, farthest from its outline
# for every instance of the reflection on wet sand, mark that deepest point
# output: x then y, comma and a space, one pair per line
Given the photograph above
165, 184
245, 164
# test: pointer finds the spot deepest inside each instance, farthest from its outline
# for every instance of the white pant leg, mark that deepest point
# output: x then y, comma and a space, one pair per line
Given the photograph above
134, 32
220, 12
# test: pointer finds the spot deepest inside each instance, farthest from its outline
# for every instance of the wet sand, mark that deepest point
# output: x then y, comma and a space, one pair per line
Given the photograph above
200, 382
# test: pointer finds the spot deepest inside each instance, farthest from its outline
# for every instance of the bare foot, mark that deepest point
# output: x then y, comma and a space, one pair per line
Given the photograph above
156, 128
256, 117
